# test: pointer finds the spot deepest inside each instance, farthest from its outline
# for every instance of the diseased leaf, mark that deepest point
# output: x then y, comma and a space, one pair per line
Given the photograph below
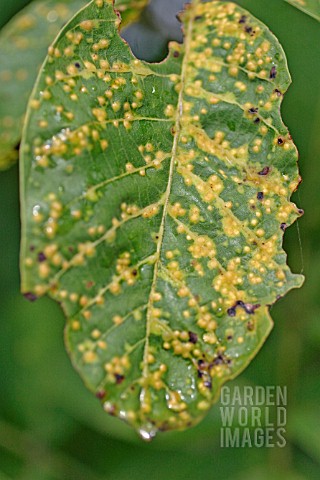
154, 201
311, 7
23, 46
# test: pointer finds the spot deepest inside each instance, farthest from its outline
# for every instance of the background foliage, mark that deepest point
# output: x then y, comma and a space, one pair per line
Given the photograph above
51, 428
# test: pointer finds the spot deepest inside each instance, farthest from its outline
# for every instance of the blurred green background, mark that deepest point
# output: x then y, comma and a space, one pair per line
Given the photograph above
51, 428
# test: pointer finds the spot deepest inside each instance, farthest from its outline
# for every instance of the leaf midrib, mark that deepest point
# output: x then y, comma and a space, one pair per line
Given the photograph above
177, 133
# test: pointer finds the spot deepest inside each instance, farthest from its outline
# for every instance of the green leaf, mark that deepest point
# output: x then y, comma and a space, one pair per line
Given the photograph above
311, 7
130, 10
23, 46
154, 200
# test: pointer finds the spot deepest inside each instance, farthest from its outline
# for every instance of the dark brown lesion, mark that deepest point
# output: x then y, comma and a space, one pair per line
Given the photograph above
41, 257
205, 367
30, 296
273, 72
100, 394
247, 28
264, 171
119, 378
193, 337
260, 195
247, 307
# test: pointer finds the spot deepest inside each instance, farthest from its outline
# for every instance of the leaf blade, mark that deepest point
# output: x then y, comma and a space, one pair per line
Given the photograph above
166, 289
23, 45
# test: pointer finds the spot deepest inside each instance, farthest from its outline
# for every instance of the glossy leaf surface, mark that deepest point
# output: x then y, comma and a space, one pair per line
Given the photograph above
23, 45
154, 201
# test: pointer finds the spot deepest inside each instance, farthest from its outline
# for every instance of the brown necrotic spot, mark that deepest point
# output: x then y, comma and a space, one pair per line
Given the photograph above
119, 378
231, 311
247, 307
221, 359
200, 363
101, 394
273, 72
264, 171
193, 337
243, 19
30, 296
280, 141
260, 195
283, 226
41, 257
203, 367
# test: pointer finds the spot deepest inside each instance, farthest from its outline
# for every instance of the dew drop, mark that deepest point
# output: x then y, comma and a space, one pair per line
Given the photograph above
109, 408
123, 414
52, 16
36, 210
147, 432
57, 117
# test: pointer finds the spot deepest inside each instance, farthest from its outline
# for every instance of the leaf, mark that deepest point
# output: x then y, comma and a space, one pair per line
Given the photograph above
23, 46
130, 10
154, 200
310, 7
